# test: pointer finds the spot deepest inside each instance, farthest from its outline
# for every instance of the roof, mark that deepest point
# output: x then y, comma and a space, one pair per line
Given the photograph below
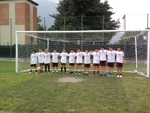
33, 2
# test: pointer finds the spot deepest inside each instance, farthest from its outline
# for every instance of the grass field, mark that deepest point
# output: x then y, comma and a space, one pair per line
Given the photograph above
31, 93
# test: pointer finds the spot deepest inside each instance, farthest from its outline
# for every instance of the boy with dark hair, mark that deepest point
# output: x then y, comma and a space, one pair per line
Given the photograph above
33, 61
71, 60
40, 55
47, 61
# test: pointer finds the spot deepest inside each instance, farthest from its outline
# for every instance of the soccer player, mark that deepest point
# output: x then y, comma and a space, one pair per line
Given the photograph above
47, 61
79, 61
55, 60
111, 61
96, 56
40, 55
103, 54
87, 61
33, 61
119, 61
63, 61
71, 60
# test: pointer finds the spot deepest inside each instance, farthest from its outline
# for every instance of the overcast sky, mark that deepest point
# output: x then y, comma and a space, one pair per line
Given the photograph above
136, 11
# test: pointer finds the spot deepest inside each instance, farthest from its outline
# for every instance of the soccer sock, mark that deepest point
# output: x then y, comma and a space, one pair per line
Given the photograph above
61, 69
98, 72
49, 69
45, 68
56, 71
94, 72
65, 69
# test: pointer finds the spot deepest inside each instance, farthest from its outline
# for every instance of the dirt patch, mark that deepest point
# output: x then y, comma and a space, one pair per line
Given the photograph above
70, 79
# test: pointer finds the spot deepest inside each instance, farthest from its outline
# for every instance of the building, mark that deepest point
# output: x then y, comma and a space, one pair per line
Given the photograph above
17, 15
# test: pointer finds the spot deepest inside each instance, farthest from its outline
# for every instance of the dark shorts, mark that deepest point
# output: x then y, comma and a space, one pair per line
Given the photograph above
78, 63
71, 64
110, 64
41, 64
119, 64
95, 64
33, 65
63, 63
87, 65
46, 64
54, 64
102, 63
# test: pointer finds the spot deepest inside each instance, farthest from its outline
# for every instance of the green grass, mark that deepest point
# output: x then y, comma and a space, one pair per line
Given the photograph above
31, 93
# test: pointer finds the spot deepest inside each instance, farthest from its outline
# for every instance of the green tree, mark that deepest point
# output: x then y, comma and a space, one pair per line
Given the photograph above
39, 26
90, 13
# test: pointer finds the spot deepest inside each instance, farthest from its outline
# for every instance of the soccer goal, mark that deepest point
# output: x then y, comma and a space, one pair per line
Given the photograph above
134, 43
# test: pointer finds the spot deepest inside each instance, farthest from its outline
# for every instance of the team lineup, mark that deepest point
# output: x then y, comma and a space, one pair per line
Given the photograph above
101, 58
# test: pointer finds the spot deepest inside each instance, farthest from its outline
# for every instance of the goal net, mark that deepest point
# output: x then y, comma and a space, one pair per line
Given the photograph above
135, 45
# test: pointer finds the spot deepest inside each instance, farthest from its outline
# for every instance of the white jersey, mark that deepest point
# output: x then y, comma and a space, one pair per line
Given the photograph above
55, 57
111, 56
103, 54
64, 57
47, 58
72, 57
119, 56
79, 57
40, 57
33, 59
96, 57
87, 59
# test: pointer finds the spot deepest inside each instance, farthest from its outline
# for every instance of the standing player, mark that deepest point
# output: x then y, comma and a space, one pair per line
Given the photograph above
79, 61
96, 61
47, 61
103, 54
55, 60
71, 60
40, 55
33, 61
111, 60
63, 60
87, 61
119, 61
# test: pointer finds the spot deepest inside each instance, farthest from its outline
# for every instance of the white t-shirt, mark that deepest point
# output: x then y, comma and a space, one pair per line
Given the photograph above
111, 56
47, 58
64, 57
55, 57
40, 57
87, 59
79, 57
96, 57
103, 54
33, 59
119, 56
72, 57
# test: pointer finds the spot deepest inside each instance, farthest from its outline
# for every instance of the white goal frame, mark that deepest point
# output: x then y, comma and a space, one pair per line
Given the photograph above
92, 31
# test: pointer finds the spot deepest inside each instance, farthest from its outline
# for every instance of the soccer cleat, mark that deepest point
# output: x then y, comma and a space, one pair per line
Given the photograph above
52, 72
79, 74
56, 72
100, 75
84, 74
118, 76
109, 75
45, 73
105, 75
65, 73
48, 72
75, 73
112, 76
94, 75
60, 72
30, 72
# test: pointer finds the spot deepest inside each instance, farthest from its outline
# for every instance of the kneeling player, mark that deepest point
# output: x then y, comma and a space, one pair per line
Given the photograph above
71, 60
33, 61
55, 60
111, 61
87, 61
47, 61
96, 61
63, 61
119, 62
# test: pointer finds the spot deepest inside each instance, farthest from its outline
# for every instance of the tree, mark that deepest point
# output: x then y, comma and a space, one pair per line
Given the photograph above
84, 15
39, 26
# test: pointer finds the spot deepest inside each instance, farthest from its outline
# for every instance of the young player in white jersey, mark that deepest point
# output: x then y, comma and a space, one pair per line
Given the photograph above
71, 60
87, 61
55, 60
63, 61
119, 61
111, 61
103, 60
79, 61
40, 55
47, 61
33, 61
96, 56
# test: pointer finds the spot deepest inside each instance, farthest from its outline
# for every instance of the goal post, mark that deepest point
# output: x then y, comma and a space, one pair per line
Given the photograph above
134, 43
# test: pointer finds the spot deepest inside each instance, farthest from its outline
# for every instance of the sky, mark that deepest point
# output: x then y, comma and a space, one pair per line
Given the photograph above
136, 12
